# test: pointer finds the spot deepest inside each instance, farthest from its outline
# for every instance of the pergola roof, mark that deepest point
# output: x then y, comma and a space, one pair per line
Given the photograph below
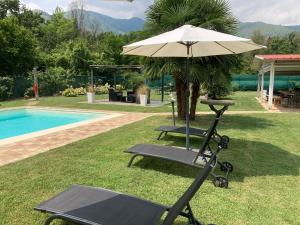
279, 57
283, 63
276, 64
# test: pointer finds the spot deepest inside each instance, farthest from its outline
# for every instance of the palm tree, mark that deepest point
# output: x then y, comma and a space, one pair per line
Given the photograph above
166, 15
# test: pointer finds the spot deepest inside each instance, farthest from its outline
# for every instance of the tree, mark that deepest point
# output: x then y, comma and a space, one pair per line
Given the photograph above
80, 56
17, 48
78, 15
57, 30
31, 20
165, 15
9, 7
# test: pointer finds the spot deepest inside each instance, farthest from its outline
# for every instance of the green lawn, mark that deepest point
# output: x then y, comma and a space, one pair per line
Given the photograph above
264, 187
245, 101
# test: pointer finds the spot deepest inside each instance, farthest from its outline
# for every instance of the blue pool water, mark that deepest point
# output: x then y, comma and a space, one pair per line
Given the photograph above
24, 121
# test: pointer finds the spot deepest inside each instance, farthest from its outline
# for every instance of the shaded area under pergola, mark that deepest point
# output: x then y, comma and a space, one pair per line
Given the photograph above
120, 68
279, 64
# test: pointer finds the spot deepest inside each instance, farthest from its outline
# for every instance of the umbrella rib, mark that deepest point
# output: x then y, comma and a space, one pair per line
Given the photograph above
225, 47
158, 49
124, 53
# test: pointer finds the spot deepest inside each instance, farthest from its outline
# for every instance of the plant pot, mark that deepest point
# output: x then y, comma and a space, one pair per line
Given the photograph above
90, 97
143, 100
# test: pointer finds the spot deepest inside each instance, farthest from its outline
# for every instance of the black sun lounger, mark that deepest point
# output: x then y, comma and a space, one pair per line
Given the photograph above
199, 132
191, 158
96, 206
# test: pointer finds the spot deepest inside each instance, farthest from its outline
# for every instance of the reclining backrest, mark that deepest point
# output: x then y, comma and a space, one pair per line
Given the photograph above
211, 131
183, 201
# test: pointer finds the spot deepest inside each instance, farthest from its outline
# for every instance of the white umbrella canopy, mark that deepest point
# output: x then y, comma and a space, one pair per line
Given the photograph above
189, 41
202, 43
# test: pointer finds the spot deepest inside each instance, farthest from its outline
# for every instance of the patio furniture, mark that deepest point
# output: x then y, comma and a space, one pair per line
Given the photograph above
199, 132
188, 157
296, 98
189, 42
277, 100
96, 206
114, 96
287, 98
131, 97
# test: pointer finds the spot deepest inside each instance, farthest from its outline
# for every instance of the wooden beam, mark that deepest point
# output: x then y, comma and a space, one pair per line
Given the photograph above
262, 85
271, 86
258, 85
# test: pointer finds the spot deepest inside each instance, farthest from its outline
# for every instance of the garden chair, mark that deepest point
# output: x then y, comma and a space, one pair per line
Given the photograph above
199, 132
192, 158
96, 206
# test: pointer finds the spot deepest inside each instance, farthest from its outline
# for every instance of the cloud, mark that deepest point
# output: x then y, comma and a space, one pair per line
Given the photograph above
270, 11
120, 9
32, 6
284, 12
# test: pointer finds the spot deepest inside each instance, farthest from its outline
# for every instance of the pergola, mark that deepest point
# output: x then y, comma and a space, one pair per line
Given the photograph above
276, 64
123, 67
114, 67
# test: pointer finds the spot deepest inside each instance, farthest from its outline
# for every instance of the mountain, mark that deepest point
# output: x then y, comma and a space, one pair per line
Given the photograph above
121, 26
108, 23
247, 28
296, 28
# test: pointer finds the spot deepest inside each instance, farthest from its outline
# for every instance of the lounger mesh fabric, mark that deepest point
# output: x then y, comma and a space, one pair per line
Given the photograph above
101, 207
95, 206
182, 130
170, 153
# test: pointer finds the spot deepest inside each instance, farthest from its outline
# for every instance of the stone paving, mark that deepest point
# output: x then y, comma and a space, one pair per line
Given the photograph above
23, 149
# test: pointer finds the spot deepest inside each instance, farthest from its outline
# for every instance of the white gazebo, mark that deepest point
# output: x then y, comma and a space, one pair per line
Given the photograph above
276, 64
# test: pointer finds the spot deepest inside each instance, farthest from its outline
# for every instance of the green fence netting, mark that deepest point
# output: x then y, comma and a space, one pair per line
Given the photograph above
249, 82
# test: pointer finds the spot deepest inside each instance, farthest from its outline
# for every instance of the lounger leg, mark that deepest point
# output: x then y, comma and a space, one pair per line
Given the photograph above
161, 133
131, 160
51, 219
55, 217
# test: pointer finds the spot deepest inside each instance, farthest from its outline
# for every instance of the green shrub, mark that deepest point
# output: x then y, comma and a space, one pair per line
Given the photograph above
54, 80
119, 87
80, 91
29, 93
133, 80
102, 89
70, 92
73, 92
6, 87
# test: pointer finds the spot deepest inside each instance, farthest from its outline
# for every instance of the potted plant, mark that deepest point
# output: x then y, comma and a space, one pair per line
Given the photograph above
91, 94
143, 92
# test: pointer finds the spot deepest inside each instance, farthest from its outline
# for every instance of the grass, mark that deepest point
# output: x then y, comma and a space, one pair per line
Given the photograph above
264, 187
245, 101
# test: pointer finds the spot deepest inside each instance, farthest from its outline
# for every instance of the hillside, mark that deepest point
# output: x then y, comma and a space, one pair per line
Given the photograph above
121, 26
108, 23
246, 29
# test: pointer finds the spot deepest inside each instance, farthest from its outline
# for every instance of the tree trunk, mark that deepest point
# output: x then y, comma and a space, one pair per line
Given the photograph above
180, 94
194, 99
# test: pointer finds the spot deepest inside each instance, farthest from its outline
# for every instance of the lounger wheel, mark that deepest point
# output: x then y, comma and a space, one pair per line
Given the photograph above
226, 167
224, 141
220, 181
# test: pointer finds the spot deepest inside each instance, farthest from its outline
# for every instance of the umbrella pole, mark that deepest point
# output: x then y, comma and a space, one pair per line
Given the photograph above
187, 94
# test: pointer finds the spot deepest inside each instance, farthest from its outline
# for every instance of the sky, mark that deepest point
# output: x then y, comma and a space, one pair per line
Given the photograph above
284, 12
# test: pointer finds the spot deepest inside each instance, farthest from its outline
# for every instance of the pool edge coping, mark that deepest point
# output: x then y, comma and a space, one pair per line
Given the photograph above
110, 115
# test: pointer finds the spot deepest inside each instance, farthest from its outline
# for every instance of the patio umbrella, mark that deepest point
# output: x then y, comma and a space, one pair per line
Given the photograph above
190, 41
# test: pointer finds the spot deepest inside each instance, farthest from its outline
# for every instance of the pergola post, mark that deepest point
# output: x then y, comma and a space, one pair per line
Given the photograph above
262, 85
258, 84
92, 77
271, 85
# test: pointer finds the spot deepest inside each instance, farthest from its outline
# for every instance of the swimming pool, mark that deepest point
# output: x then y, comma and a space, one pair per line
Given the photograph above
18, 122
